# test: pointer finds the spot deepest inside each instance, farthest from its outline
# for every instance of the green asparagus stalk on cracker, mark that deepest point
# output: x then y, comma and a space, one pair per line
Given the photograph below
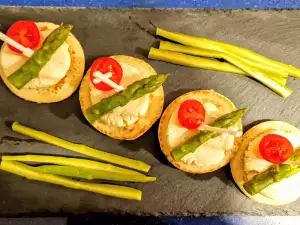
132, 92
275, 174
225, 121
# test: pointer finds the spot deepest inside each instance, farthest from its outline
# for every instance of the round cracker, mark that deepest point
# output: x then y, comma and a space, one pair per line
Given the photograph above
67, 86
237, 163
145, 122
164, 123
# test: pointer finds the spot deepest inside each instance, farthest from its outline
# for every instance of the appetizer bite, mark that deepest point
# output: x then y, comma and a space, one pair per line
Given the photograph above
266, 166
41, 62
122, 96
200, 131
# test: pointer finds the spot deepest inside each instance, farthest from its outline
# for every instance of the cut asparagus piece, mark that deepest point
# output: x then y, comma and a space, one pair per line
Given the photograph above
275, 83
80, 148
204, 43
192, 61
81, 163
266, 70
166, 45
91, 174
282, 90
202, 63
105, 189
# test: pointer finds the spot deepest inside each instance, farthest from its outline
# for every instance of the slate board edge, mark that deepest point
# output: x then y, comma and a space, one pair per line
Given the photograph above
240, 213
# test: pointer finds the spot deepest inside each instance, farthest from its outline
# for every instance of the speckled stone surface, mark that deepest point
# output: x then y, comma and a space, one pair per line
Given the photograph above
113, 31
257, 4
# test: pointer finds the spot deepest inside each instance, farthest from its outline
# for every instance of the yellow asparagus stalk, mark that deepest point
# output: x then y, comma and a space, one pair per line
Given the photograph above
81, 163
105, 189
80, 148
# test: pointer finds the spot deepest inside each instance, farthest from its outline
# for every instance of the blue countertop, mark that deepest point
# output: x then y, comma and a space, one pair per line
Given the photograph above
256, 4
115, 220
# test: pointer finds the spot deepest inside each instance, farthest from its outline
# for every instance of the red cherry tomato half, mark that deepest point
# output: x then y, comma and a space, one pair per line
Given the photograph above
25, 33
275, 148
191, 114
105, 65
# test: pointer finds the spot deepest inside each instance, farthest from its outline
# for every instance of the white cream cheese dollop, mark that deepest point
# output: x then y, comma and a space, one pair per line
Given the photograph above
285, 190
130, 113
210, 153
51, 73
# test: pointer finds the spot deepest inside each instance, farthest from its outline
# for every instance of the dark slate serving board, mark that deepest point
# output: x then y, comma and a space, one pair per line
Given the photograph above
105, 32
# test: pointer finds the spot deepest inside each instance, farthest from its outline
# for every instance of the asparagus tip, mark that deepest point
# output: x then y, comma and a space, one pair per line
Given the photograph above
14, 124
151, 52
157, 31
244, 110
68, 26
151, 179
147, 168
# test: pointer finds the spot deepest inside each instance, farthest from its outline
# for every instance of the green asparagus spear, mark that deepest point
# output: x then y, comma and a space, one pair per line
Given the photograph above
222, 47
80, 148
105, 189
266, 70
81, 163
41, 57
272, 175
132, 92
225, 121
90, 174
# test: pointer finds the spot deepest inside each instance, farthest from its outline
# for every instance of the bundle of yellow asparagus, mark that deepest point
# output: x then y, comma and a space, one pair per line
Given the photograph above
271, 73
57, 168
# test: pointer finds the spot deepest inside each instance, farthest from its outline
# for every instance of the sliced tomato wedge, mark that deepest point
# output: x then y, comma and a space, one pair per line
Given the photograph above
275, 148
191, 114
25, 33
106, 65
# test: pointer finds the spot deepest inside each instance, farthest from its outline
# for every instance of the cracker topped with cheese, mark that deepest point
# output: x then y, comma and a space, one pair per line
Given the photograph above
55, 69
263, 167
127, 112
184, 122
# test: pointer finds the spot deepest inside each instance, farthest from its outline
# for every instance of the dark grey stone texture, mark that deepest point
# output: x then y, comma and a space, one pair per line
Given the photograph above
105, 32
